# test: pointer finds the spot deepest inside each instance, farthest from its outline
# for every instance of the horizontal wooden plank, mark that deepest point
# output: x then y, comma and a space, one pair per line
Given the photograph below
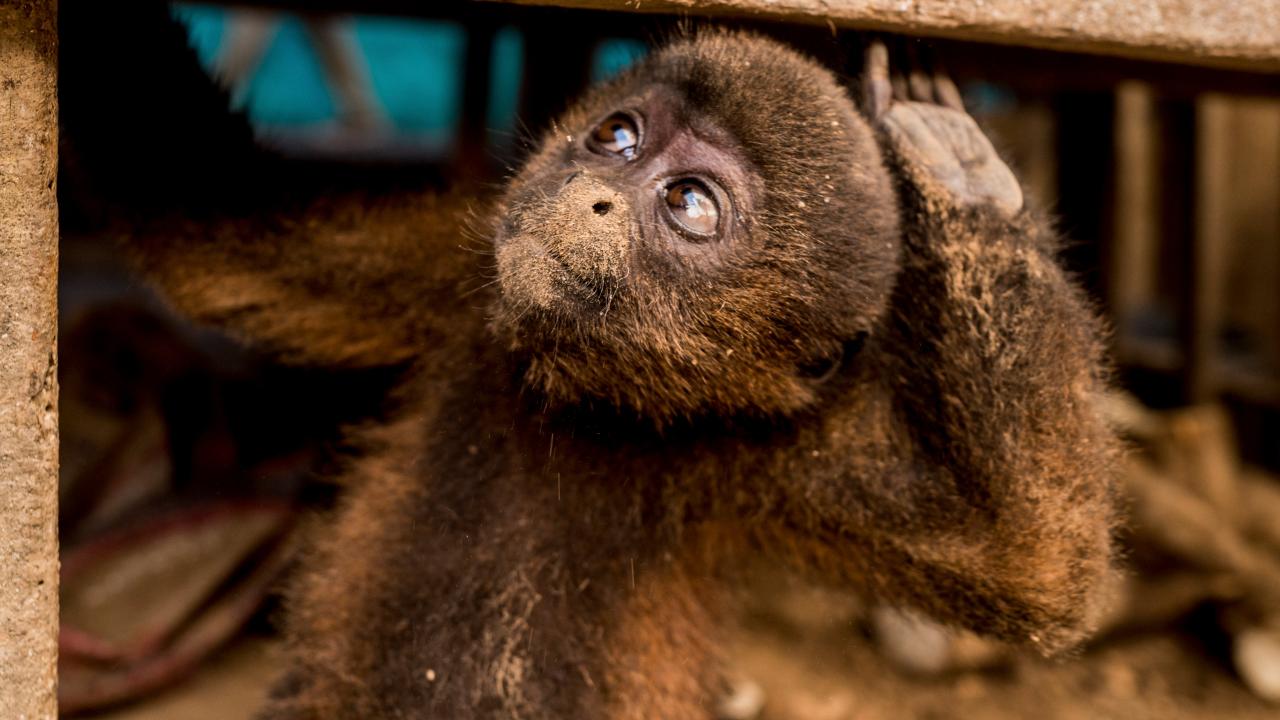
1240, 34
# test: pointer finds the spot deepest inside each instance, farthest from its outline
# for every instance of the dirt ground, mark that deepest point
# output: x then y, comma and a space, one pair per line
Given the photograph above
230, 686
836, 678
1202, 571
809, 674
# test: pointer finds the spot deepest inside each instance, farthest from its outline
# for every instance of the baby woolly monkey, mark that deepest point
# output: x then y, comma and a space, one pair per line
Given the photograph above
734, 317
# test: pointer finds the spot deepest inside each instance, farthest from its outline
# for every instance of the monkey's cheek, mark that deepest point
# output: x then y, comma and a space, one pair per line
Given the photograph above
528, 275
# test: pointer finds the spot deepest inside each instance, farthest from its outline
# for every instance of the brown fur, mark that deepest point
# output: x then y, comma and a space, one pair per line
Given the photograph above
550, 527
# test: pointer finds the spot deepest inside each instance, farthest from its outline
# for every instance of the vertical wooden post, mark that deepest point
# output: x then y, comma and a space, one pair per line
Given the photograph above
28, 360
557, 64
1132, 286
473, 159
1210, 241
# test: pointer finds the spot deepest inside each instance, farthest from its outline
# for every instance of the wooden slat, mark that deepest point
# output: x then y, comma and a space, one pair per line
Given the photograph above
1243, 34
28, 365
1027, 62
471, 158
1132, 284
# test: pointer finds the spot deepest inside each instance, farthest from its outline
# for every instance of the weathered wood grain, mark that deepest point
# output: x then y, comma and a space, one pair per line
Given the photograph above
1243, 34
28, 360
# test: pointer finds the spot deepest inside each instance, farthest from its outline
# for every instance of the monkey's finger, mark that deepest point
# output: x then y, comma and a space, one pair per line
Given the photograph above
942, 91
898, 66
945, 91
900, 89
919, 83
877, 92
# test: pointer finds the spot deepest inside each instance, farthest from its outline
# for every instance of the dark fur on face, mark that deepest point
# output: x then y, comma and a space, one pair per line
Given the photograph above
579, 558
620, 307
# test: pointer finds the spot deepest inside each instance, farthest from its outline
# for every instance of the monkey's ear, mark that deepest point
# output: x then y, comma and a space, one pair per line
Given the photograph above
349, 286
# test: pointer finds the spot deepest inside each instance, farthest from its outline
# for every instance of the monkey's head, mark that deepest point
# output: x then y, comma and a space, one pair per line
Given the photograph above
706, 233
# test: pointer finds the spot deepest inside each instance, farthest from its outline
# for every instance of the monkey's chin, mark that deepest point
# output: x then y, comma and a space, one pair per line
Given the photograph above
533, 279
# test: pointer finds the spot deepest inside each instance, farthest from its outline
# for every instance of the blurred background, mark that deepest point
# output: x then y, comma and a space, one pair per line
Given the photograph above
189, 463
372, 87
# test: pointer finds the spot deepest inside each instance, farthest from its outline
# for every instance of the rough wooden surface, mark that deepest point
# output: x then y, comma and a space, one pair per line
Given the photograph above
28, 365
1242, 34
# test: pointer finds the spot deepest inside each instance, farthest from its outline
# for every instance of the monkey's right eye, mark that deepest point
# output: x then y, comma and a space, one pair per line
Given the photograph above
693, 207
617, 135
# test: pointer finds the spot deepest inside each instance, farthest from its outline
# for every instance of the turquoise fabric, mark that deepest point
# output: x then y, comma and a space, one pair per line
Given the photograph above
612, 56
416, 68
415, 73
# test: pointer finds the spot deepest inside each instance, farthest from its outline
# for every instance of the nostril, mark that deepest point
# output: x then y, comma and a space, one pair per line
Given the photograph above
602, 208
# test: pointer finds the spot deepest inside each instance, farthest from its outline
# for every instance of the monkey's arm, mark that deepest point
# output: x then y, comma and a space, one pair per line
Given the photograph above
152, 153
346, 283
996, 361
996, 367
989, 502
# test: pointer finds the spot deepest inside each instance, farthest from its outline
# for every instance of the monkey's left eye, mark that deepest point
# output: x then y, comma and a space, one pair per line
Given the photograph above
618, 135
692, 205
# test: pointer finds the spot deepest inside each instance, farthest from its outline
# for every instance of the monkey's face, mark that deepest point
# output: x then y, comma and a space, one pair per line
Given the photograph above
706, 233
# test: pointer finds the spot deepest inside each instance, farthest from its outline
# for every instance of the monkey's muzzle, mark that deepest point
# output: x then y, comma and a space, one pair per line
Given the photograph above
575, 243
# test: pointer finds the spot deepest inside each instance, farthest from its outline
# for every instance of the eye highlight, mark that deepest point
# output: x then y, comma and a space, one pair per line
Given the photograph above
618, 135
693, 207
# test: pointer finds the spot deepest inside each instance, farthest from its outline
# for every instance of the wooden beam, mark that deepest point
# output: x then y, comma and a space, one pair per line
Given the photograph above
472, 158
1131, 285
557, 63
28, 360
1025, 60
1243, 34
1210, 239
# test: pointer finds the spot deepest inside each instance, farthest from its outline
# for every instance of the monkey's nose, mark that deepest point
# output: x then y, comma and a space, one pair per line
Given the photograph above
587, 227
581, 186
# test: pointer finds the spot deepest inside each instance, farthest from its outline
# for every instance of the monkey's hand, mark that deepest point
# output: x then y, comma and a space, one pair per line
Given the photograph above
940, 147
944, 149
